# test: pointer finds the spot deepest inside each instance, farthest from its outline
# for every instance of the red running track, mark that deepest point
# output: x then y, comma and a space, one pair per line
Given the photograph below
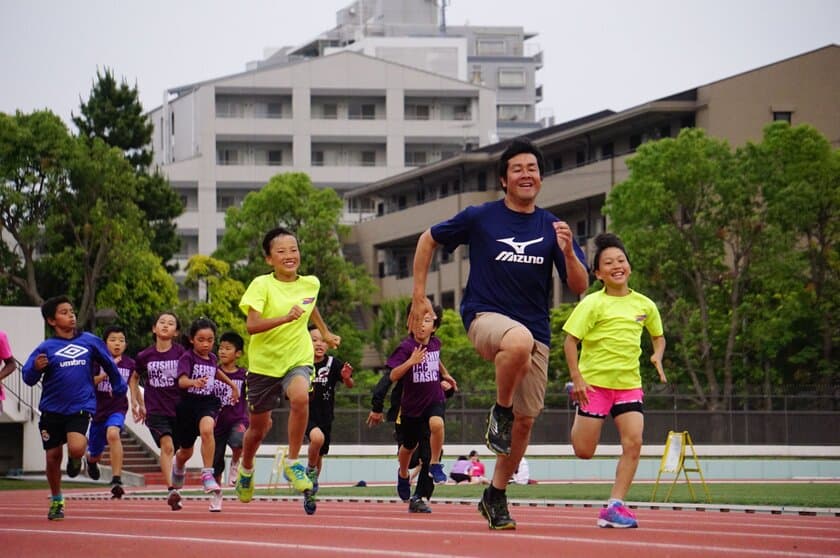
147, 528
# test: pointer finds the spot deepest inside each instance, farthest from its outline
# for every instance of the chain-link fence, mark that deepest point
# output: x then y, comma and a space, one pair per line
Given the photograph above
799, 416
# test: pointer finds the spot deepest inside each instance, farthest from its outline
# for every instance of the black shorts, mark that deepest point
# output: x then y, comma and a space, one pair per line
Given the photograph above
189, 413
54, 427
160, 426
459, 477
413, 428
326, 428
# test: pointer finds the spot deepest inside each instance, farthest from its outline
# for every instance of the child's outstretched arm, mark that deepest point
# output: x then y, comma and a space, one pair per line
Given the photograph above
138, 406
34, 366
656, 357
332, 340
347, 375
377, 401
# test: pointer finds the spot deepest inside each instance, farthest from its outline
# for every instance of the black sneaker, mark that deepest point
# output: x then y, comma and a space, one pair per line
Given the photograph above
309, 503
74, 465
499, 425
56, 512
117, 490
418, 505
93, 470
496, 513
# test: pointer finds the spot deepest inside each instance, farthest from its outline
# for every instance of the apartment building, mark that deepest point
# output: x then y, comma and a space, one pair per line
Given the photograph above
585, 159
345, 119
415, 33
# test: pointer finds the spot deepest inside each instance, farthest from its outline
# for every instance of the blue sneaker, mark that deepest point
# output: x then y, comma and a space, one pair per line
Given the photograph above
618, 516
403, 488
312, 473
437, 474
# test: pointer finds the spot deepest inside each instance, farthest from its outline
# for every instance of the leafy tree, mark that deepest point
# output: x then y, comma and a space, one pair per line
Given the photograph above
290, 200
114, 114
475, 376
34, 154
221, 298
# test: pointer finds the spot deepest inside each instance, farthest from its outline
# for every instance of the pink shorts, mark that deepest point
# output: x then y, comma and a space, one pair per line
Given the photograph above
606, 401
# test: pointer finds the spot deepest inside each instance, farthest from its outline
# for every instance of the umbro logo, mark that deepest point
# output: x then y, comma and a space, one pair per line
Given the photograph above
71, 351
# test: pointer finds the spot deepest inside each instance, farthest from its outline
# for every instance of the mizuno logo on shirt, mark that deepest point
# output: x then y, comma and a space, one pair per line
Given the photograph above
518, 255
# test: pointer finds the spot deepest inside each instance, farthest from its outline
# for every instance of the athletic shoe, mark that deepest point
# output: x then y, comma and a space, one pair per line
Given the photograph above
418, 505
618, 516
499, 425
74, 465
245, 486
93, 470
178, 477
116, 490
403, 488
209, 482
233, 472
295, 473
309, 504
216, 501
496, 512
312, 474
436, 472
174, 500
56, 512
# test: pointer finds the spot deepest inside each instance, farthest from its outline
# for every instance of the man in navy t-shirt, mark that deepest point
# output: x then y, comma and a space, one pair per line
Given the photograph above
513, 246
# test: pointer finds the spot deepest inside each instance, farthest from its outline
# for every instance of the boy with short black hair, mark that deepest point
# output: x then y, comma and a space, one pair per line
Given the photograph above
64, 364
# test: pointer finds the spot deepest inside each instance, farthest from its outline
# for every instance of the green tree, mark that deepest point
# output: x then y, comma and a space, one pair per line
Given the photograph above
221, 298
290, 200
682, 212
35, 150
475, 376
114, 114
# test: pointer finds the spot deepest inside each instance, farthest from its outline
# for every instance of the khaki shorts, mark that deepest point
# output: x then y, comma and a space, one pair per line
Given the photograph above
263, 391
486, 332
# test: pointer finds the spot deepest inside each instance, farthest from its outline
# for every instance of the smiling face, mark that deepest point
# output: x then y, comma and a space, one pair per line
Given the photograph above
522, 182
284, 257
613, 270
318, 344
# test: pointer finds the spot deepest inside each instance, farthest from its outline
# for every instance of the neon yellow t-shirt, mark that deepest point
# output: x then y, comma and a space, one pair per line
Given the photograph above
278, 350
610, 330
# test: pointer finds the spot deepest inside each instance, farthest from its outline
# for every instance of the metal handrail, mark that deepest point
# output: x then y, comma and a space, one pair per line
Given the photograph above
27, 396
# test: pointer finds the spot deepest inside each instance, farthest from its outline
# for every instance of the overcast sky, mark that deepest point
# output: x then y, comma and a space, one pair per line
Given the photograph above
612, 54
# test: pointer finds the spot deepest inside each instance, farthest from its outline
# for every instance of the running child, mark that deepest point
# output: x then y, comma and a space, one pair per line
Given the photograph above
328, 372
158, 364
278, 306
606, 379
417, 361
198, 373
232, 420
64, 364
109, 420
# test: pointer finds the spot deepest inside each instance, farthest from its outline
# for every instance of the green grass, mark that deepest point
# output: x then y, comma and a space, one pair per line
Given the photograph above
810, 495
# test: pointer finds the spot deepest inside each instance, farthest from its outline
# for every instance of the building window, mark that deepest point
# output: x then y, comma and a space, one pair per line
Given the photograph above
607, 150
317, 158
227, 157
490, 47
417, 112
368, 158
557, 163
275, 157
782, 115
274, 110
415, 158
482, 181
223, 201
329, 111
581, 231
511, 113
512, 78
580, 157
362, 111
687, 121
665, 131
401, 203
635, 140
476, 75
444, 189
172, 123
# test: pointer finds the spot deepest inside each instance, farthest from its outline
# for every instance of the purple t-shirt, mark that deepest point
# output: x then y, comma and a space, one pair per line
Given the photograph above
194, 367
161, 370
230, 415
421, 384
462, 467
106, 403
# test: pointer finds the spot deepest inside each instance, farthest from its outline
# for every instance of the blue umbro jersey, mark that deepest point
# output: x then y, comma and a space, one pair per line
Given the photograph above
511, 256
67, 381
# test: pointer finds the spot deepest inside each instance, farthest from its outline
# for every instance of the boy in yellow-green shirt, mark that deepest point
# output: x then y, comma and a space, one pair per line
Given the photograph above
608, 324
279, 306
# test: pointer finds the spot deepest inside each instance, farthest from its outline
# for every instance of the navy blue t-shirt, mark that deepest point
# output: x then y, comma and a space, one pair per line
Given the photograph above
511, 255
